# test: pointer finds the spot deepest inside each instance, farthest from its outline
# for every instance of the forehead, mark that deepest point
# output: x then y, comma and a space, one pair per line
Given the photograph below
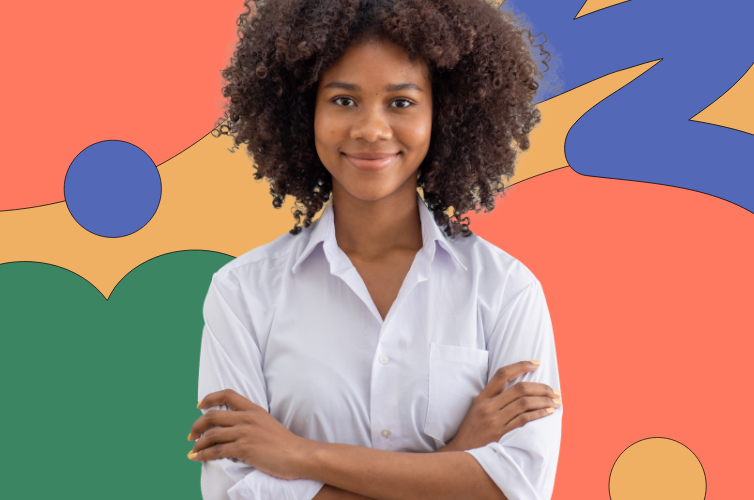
375, 62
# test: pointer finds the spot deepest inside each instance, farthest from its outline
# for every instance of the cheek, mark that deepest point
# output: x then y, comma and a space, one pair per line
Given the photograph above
417, 133
326, 131
424, 131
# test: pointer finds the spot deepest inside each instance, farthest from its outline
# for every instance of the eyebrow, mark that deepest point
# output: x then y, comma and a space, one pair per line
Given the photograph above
394, 87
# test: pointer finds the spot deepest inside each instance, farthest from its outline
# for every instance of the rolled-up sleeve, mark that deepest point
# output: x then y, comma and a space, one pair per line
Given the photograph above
523, 462
231, 359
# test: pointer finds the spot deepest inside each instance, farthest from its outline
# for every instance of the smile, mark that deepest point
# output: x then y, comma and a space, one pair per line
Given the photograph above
371, 165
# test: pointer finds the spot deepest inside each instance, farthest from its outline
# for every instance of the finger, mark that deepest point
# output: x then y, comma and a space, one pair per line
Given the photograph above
523, 389
228, 397
216, 418
505, 374
222, 450
218, 435
527, 417
527, 404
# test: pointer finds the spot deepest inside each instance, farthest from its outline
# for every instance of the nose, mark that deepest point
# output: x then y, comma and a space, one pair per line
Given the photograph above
371, 125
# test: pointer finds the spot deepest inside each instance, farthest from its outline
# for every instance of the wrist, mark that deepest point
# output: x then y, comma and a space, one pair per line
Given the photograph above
305, 459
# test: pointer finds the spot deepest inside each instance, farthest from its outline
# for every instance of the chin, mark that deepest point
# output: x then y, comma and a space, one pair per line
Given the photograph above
370, 188
369, 194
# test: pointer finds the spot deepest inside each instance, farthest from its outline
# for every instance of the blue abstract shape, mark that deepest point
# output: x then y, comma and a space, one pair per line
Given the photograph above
642, 132
112, 189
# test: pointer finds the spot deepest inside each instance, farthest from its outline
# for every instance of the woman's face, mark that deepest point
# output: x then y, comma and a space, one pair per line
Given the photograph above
373, 102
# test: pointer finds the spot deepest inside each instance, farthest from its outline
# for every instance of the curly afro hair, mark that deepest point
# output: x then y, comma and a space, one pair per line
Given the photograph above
483, 76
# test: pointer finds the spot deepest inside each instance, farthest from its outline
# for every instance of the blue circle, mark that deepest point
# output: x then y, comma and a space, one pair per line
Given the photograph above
112, 189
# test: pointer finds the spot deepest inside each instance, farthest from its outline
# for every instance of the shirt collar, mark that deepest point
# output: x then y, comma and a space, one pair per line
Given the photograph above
432, 233
324, 232
322, 226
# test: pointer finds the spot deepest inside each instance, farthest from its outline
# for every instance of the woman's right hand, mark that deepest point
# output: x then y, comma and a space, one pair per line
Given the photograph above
495, 412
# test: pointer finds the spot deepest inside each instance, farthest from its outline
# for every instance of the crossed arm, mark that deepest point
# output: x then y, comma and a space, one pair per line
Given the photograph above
397, 476
348, 472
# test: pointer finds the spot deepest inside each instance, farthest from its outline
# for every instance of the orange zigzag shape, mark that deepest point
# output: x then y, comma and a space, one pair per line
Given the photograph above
210, 201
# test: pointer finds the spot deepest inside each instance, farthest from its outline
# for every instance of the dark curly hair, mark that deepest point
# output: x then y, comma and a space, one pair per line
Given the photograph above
483, 75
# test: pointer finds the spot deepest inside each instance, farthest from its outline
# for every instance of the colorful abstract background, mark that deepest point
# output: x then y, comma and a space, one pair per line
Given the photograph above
634, 207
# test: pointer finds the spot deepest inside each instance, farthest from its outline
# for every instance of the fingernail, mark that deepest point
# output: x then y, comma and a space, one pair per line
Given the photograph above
189, 436
192, 455
556, 401
199, 404
549, 410
535, 362
557, 392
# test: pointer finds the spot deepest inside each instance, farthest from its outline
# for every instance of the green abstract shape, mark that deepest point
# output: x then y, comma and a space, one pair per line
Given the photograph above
101, 394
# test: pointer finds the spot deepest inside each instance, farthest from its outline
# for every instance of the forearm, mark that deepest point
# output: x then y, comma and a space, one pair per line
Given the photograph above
329, 492
358, 473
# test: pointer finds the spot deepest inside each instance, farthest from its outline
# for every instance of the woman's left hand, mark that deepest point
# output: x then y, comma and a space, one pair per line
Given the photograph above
248, 433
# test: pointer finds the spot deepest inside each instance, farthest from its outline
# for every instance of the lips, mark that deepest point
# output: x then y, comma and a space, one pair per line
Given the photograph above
370, 156
371, 162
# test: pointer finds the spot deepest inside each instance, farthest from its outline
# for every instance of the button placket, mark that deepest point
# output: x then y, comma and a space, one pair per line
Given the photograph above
383, 416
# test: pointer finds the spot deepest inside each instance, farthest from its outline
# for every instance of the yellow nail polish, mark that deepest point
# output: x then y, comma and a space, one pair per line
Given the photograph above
535, 362
199, 404
556, 401
192, 455
557, 392
189, 436
549, 410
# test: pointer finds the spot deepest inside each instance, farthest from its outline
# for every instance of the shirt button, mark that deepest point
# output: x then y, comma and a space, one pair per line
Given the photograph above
384, 359
385, 433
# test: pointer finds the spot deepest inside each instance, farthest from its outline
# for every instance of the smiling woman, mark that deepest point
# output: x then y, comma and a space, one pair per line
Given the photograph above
339, 359
483, 82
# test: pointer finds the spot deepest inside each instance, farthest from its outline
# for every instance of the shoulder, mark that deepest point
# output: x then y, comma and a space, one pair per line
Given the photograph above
260, 264
496, 272
480, 255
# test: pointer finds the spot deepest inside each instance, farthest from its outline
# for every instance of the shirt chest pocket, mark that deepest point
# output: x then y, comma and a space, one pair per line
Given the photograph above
456, 376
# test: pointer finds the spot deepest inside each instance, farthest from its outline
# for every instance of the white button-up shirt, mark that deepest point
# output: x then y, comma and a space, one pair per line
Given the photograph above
291, 326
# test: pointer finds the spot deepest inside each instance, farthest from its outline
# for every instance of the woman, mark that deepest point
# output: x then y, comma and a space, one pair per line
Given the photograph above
337, 358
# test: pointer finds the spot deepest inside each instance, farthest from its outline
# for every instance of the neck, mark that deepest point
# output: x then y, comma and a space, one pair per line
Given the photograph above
372, 229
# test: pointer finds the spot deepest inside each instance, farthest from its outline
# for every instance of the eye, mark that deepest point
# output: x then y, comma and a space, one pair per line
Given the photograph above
342, 98
409, 103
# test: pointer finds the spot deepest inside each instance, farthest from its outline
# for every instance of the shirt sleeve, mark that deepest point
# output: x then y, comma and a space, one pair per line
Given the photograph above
231, 359
523, 462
